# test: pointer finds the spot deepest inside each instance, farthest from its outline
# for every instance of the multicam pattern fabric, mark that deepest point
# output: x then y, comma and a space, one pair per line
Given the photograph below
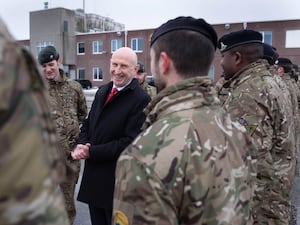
288, 99
30, 164
151, 91
255, 100
68, 106
69, 109
191, 164
222, 92
293, 88
294, 92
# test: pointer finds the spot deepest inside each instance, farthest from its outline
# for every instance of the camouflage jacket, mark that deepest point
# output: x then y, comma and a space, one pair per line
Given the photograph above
289, 100
191, 164
222, 92
151, 91
295, 95
69, 109
255, 100
30, 163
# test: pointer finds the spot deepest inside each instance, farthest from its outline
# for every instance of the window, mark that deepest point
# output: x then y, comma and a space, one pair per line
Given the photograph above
97, 47
267, 37
116, 44
81, 73
137, 44
97, 73
80, 48
42, 44
66, 27
292, 39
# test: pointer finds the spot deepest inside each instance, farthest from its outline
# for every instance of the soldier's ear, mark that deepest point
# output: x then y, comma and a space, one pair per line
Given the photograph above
164, 62
59, 60
238, 58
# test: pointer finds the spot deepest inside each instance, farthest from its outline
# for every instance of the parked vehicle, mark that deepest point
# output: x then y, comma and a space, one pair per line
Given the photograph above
85, 84
150, 80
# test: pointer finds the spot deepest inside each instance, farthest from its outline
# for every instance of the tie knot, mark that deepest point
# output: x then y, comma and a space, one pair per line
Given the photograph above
114, 90
111, 94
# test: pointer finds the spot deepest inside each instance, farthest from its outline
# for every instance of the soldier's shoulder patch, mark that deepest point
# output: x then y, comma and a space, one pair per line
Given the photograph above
251, 128
120, 218
242, 121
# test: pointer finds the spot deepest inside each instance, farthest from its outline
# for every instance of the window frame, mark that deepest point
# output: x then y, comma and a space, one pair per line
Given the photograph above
78, 48
78, 73
99, 73
99, 47
115, 44
292, 38
42, 44
138, 43
265, 34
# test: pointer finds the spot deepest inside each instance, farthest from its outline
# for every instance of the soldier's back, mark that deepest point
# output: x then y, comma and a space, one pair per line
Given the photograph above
187, 165
31, 165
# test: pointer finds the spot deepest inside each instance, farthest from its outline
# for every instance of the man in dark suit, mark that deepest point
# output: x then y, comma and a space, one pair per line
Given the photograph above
109, 128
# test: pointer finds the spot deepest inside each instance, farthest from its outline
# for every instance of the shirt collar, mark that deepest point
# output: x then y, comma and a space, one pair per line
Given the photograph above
121, 88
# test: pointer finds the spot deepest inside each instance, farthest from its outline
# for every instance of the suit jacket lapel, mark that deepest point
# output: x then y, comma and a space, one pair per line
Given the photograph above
102, 95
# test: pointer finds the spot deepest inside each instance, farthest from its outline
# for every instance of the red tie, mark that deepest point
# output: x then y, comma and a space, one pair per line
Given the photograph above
112, 93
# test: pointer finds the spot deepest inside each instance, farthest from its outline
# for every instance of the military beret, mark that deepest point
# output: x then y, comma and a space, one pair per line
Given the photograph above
268, 50
47, 54
283, 61
141, 68
186, 23
237, 38
270, 53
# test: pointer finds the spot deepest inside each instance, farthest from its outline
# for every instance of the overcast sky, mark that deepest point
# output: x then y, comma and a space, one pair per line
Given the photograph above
144, 14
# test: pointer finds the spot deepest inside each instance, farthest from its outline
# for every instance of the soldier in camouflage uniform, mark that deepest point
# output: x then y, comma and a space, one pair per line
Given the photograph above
289, 97
191, 164
30, 163
256, 102
222, 92
68, 106
284, 69
141, 76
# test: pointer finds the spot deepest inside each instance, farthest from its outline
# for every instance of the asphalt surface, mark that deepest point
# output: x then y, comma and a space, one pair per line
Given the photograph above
83, 216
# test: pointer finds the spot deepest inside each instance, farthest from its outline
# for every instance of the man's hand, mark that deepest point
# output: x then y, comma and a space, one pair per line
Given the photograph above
81, 151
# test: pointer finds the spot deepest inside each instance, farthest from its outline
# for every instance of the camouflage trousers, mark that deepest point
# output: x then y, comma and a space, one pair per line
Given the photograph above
272, 206
68, 190
295, 194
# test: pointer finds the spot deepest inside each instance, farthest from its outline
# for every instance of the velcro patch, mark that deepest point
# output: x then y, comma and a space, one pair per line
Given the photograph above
251, 128
120, 218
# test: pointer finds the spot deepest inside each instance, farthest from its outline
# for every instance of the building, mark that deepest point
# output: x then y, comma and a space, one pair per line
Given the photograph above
86, 55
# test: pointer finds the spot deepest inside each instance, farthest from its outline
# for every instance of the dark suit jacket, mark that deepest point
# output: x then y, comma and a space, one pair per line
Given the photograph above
109, 128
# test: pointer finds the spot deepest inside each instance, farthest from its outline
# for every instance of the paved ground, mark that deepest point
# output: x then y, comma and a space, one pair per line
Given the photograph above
83, 217
296, 196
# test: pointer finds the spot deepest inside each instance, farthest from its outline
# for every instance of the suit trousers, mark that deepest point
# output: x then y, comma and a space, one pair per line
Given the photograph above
100, 216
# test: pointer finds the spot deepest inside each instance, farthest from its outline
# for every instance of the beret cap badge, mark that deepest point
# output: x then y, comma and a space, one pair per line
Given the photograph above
223, 46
